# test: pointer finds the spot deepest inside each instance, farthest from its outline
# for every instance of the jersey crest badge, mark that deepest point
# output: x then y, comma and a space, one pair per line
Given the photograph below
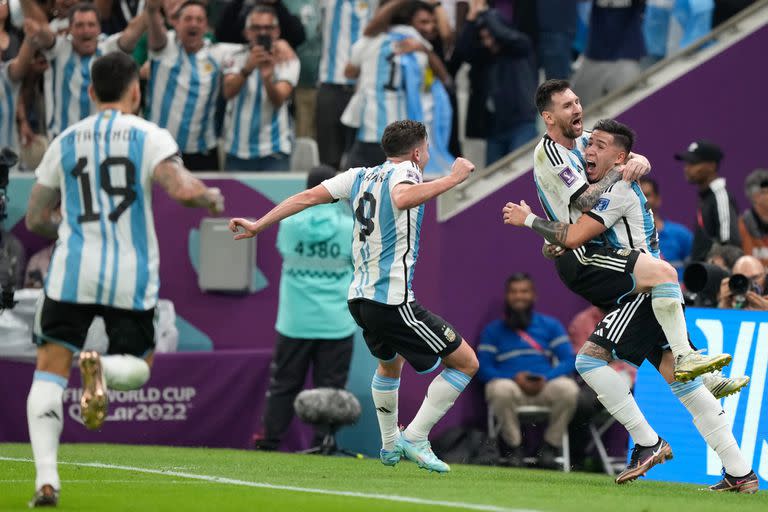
568, 177
449, 334
602, 204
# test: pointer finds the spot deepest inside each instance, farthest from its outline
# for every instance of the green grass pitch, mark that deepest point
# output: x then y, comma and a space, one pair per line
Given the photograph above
144, 478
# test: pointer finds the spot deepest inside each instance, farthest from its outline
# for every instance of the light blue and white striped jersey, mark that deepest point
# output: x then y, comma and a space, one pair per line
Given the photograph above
343, 25
560, 176
253, 128
66, 82
183, 89
9, 95
385, 240
107, 250
626, 214
380, 98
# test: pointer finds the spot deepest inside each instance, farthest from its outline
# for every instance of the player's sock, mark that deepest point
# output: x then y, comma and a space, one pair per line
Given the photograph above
125, 372
615, 395
45, 417
667, 304
710, 420
441, 394
384, 391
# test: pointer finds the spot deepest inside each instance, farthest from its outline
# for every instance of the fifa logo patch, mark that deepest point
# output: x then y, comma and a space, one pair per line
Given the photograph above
567, 176
449, 334
602, 204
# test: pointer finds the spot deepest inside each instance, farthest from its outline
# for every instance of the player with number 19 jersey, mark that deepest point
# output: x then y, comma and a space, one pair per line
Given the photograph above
107, 250
385, 241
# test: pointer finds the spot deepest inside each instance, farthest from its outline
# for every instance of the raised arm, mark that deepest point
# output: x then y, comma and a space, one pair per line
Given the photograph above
569, 236
20, 65
130, 36
186, 189
42, 216
157, 34
291, 206
36, 20
406, 196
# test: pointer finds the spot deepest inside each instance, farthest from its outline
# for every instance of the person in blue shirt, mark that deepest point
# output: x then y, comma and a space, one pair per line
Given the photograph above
675, 240
527, 359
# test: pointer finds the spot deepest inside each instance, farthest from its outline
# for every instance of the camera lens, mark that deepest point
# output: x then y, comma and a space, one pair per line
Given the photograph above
738, 284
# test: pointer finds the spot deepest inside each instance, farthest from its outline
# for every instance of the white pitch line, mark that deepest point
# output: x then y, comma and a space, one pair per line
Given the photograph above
262, 485
90, 482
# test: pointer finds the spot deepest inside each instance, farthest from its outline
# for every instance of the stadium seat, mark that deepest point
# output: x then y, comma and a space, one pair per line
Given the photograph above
305, 155
531, 414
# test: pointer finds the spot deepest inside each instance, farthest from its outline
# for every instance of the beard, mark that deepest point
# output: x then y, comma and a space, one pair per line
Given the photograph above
568, 129
518, 319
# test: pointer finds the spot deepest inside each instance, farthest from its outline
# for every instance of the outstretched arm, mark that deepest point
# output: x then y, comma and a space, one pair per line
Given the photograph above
406, 195
291, 206
186, 189
569, 236
131, 34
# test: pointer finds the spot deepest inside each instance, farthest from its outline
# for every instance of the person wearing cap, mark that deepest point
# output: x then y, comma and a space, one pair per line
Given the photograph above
314, 326
716, 216
753, 223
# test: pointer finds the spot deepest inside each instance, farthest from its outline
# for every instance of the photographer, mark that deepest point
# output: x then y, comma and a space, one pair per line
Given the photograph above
12, 255
745, 287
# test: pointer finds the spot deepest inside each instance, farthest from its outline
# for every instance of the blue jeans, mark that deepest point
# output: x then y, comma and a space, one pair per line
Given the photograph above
276, 162
500, 144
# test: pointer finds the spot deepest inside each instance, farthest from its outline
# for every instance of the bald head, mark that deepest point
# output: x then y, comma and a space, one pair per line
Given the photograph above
752, 268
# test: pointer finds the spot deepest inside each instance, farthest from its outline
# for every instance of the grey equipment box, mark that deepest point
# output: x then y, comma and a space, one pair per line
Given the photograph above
226, 265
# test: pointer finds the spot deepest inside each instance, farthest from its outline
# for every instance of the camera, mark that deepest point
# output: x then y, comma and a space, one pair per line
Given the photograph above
7, 261
739, 285
265, 41
703, 280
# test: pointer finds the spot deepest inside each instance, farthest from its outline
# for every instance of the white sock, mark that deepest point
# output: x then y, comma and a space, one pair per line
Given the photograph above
615, 395
667, 304
45, 417
711, 423
124, 372
384, 391
441, 394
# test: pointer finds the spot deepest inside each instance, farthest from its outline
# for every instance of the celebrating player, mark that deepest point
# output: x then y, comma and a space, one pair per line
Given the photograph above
388, 201
621, 219
106, 258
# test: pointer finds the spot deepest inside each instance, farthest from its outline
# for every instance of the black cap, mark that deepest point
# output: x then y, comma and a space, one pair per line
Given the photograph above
701, 151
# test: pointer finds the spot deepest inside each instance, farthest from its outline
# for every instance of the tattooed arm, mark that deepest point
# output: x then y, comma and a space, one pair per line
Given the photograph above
568, 236
587, 199
42, 216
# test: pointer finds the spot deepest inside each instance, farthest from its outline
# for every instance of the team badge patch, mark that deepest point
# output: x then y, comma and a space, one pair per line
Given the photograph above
449, 334
568, 177
413, 175
623, 252
602, 204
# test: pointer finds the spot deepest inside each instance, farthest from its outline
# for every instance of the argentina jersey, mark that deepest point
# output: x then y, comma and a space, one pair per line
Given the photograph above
66, 82
560, 177
343, 25
183, 89
9, 94
253, 127
627, 216
385, 240
380, 98
107, 251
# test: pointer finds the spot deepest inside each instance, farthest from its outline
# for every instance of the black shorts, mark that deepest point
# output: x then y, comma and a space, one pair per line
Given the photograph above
631, 333
602, 275
421, 337
65, 323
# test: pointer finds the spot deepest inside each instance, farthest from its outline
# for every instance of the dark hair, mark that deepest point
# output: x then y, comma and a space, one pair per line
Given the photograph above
83, 7
262, 9
518, 277
402, 136
112, 74
623, 135
319, 174
546, 90
406, 13
729, 253
186, 4
652, 182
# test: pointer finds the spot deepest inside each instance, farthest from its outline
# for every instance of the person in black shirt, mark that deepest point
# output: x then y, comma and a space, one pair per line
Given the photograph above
717, 214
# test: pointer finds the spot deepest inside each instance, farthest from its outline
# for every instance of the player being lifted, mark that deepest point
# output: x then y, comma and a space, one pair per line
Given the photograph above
388, 201
106, 259
620, 220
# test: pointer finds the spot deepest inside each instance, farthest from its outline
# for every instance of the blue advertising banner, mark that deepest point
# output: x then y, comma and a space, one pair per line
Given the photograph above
743, 334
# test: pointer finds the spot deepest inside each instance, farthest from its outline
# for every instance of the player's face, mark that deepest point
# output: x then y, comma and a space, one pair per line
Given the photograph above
425, 23
191, 27
654, 201
85, 30
601, 155
420, 155
521, 295
565, 114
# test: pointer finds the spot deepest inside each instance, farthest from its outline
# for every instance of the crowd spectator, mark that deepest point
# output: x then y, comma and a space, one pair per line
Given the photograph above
59, 22
305, 93
184, 84
503, 79
258, 82
343, 25
724, 256
517, 365
717, 217
675, 240
12, 73
557, 22
236, 12
614, 50
115, 14
314, 327
37, 267
754, 297
10, 36
753, 223
69, 74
